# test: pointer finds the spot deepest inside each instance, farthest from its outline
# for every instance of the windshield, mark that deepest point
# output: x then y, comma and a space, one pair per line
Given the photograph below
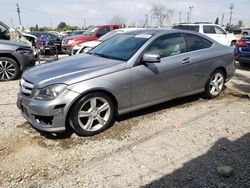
109, 35
187, 27
121, 47
90, 30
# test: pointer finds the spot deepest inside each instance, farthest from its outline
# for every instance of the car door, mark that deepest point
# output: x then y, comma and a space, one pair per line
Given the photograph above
170, 78
216, 33
202, 59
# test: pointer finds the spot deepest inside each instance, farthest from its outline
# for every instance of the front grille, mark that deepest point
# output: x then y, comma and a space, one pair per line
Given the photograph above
26, 87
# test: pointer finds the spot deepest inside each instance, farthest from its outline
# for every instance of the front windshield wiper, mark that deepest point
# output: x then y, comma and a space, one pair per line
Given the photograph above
101, 55
107, 56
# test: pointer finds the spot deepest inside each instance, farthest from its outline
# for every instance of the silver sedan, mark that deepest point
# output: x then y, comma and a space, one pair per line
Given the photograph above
130, 71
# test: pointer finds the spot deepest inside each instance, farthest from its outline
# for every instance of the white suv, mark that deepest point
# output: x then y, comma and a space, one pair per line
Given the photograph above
211, 30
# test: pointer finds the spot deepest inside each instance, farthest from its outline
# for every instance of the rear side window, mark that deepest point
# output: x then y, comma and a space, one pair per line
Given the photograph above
187, 27
209, 29
195, 42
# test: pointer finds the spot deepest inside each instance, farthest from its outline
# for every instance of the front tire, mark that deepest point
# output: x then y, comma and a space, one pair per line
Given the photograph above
92, 114
9, 69
214, 85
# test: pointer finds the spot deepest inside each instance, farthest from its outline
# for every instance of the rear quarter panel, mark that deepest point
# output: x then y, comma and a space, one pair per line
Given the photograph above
208, 60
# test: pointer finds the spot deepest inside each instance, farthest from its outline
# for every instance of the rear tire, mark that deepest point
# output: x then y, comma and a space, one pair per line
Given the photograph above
9, 69
92, 114
214, 85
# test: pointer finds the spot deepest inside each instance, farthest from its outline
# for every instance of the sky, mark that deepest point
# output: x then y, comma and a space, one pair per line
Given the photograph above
96, 12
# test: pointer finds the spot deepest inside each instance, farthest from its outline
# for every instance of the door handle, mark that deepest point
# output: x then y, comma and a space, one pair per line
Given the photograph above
185, 61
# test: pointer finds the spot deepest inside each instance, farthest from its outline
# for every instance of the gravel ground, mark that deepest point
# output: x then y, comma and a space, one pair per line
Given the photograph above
180, 143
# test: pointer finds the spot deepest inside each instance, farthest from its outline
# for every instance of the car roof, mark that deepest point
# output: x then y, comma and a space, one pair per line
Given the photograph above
196, 24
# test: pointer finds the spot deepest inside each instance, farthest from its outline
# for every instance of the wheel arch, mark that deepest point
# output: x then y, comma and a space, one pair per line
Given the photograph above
11, 56
222, 69
111, 95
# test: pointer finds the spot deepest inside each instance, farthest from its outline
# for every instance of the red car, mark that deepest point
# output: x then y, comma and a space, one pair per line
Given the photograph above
93, 33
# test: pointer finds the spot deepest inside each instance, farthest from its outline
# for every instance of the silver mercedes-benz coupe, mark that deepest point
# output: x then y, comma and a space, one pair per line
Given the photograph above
128, 72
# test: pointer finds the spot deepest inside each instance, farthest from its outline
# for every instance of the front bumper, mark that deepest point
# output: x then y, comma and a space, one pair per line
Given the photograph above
48, 116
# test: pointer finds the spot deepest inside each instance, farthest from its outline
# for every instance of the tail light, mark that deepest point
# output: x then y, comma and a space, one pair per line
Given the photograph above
241, 43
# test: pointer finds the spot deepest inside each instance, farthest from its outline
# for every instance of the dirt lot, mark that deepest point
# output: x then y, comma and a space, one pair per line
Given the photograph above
180, 143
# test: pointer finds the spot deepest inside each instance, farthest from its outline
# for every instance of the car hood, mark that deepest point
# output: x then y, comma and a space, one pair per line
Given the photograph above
14, 43
71, 70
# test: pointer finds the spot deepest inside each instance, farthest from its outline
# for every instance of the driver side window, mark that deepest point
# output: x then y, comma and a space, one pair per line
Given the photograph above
168, 45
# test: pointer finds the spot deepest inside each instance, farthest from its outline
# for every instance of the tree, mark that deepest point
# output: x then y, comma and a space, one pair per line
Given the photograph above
117, 19
161, 13
61, 26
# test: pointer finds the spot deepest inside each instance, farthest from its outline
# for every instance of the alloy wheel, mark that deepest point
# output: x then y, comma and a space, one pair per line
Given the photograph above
7, 70
94, 114
216, 84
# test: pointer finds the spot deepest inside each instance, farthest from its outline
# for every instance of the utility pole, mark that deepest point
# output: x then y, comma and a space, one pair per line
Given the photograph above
179, 17
190, 13
188, 17
19, 17
222, 19
231, 7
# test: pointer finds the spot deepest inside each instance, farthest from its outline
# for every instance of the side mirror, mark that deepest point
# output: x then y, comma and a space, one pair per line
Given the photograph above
151, 58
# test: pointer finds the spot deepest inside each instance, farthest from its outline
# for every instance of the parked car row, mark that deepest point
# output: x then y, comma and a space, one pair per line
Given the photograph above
93, 33
86, 46
48, 41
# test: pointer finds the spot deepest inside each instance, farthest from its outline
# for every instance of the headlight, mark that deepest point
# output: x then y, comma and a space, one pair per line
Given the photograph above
50, 92
70, 42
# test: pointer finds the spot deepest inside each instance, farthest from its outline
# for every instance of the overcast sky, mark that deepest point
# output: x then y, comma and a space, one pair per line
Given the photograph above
73, 12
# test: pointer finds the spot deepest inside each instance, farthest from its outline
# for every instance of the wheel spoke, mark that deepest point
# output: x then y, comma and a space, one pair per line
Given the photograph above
2, 75
10, 66
6, 73
84, 114
93, 103
104, 107
212, 90
100, 120
89, 124
220, 80
10, 73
